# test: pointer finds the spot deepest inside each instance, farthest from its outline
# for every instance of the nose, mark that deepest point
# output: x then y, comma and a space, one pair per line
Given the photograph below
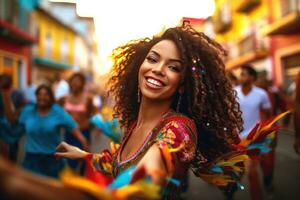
158, 69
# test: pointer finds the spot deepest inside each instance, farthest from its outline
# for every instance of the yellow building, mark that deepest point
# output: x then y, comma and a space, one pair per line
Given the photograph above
238, 25
54, 52
264, 33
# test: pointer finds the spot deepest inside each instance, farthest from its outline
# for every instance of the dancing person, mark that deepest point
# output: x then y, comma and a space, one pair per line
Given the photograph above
178, 94
79, 104
170, 91
41, 123
254, 101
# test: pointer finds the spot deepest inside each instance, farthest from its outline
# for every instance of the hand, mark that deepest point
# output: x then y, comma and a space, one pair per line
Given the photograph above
297, 145
68, 151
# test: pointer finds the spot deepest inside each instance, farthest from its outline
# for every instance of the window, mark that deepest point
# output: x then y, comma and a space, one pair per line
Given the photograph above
64, 50
48, 45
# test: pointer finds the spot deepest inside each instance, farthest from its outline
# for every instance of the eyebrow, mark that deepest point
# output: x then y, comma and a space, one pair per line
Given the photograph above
173, 60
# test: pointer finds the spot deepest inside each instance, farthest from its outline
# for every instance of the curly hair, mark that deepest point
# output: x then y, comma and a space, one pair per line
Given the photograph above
208, 97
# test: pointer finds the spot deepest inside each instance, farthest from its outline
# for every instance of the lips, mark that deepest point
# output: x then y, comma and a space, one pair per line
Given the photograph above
154, 83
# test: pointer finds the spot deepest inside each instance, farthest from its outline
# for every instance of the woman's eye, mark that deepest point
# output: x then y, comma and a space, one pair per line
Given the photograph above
175, 68
151, 59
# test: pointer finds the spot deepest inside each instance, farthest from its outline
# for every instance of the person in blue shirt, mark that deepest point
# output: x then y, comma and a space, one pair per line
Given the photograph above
43, 124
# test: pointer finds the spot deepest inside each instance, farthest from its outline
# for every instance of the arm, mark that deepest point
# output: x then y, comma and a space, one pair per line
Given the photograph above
8, 105
266, 106
102, 162
9, 132
267, 113
77, 134
154, 165
92, 110
297, 116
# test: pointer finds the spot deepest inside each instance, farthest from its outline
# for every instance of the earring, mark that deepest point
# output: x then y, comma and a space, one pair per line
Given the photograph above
179, 100
138, 95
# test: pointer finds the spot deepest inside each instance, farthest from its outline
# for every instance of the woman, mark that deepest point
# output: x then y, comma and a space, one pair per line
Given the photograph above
171, 91
41, 123
80, 106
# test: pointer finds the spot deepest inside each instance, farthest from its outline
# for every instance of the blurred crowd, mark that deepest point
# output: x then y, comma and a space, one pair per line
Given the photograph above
261, 100
36, 119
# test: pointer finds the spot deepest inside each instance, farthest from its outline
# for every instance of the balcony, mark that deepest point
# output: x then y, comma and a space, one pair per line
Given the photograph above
246, 58
12, 32
51, 63
249, 50
14, 22
289, 21
246, 6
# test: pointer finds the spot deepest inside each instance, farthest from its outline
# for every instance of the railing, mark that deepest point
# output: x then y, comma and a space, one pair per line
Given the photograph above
289, 6
247, 45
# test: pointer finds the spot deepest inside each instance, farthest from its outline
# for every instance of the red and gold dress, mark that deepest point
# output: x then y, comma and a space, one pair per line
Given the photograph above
174, 131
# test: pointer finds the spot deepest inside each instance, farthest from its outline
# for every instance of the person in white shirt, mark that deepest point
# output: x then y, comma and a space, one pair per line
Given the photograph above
61, 87
253, 101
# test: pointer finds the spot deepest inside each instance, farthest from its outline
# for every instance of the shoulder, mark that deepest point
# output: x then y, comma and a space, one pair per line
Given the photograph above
237, 88
179, 132
259, 91
56, 108
62, 100
181, 124
89, 98
27, 112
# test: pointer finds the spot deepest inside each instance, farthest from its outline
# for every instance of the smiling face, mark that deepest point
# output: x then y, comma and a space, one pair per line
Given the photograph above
161, 72
43, 98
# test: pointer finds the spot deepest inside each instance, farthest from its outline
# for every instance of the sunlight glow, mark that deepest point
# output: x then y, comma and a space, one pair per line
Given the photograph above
120, 21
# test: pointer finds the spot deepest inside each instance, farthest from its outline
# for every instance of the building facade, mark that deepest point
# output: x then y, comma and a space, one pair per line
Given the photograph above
54, 51
15, 41
264, 33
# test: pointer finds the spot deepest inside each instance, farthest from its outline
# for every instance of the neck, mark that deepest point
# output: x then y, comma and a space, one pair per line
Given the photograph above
77, 93
152, 111
247, 87
43, 110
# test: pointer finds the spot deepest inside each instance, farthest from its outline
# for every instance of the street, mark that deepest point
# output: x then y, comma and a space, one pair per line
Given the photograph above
286, 178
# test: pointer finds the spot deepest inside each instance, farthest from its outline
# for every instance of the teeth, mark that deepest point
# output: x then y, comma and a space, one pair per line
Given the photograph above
154, 82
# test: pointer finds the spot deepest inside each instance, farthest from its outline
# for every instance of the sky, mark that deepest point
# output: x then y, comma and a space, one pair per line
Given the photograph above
119, 21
